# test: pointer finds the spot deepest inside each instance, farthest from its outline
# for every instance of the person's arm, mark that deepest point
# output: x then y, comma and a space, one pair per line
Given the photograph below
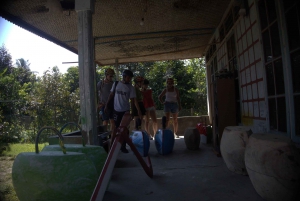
178, 98
161, 95
111, 96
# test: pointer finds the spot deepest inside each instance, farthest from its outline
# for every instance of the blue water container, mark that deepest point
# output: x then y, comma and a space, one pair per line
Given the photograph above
141, 141
164, 141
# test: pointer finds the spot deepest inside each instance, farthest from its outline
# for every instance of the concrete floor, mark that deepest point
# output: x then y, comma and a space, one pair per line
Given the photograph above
184, 175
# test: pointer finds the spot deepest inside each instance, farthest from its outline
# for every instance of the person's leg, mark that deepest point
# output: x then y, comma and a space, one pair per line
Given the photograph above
112, 124
147, 122
143, 111
175, 124
167, 111
174, 111
118, 118
111, 120
167, 114
152, 114
104, 117
123, 146
136, 116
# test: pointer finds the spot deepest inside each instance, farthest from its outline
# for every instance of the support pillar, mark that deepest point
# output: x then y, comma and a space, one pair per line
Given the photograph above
87, 85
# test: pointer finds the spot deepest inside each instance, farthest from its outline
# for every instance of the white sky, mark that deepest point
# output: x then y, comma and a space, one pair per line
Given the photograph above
41, 53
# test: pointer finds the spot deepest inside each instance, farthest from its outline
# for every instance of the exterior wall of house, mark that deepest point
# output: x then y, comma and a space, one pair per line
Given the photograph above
250, 63
249, 57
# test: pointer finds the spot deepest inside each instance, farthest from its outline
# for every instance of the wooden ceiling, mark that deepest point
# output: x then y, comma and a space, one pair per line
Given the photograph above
127, 30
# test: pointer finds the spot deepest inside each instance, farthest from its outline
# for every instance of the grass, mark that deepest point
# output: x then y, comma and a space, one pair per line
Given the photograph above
8, 153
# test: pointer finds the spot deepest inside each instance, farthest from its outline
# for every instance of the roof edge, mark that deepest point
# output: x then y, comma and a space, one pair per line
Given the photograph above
19, 22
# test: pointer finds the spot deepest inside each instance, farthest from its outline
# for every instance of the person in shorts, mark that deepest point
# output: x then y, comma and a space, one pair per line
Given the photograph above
103, 87
171, 104
150, 108
138, 80
124, 99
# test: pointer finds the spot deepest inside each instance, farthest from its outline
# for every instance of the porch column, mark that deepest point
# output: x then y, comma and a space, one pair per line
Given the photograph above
88, 116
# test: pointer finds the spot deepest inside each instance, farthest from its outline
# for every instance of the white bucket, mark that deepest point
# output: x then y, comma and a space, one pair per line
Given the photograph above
203, 138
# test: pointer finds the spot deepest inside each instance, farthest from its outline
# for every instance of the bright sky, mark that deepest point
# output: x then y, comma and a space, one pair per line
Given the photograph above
41, 53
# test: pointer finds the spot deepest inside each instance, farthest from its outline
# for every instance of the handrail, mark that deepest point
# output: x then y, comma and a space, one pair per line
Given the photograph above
122, 135
68, 123
61, 139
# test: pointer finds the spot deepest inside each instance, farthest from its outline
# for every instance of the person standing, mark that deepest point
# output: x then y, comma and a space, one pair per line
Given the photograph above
138, 80
171, 104
103, 87
150, 108
124, 98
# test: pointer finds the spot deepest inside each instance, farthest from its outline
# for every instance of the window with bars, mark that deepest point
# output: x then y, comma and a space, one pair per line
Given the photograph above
211, 50
273, 65
292, 18
232, 63
231, 51
229, 21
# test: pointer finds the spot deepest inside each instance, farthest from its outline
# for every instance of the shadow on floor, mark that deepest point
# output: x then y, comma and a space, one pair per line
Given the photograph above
183, 175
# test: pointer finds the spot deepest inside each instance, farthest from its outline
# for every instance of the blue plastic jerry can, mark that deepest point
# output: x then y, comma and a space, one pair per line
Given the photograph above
141, 141
164, 141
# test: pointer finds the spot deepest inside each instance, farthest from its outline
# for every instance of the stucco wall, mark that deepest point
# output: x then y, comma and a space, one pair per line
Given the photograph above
249, 52
252, 86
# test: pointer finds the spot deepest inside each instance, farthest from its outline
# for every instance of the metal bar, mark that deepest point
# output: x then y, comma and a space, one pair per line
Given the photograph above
154, 33
106, 171
121, 136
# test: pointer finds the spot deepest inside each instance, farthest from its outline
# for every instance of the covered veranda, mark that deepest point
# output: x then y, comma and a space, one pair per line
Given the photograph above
122, 31
184, 174
118, 32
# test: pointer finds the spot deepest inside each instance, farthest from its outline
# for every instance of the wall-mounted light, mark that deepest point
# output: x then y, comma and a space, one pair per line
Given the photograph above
142, 21
242, 12
144, 14
244, 8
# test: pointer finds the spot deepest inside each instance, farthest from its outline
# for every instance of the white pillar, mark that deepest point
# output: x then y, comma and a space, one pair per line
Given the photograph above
87, 85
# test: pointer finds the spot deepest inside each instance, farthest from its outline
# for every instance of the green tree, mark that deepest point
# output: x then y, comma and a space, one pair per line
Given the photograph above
71, 78
7, 88
22, 71
14, 89
22, 63
5, 60
197, 67
55, 100
157, 77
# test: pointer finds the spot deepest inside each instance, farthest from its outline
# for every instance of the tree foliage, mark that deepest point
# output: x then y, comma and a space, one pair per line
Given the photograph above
28, 102
5, 60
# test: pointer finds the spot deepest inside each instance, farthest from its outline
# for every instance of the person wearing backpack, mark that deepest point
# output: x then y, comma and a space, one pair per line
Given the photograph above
103, 88
124, 97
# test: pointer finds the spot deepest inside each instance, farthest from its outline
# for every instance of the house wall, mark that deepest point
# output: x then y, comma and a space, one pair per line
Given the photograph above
249, 53
252, 85
261, 52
